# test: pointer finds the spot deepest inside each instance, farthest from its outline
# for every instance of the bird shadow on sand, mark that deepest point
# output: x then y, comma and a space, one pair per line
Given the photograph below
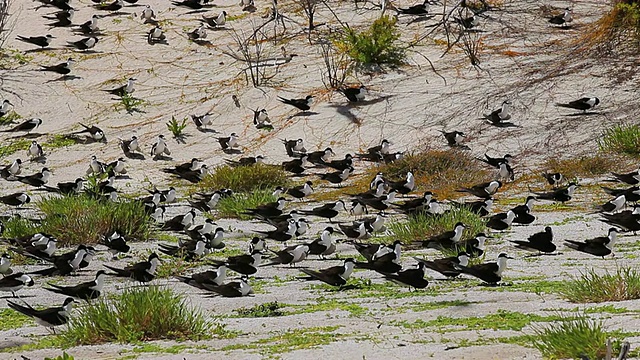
162, 157
210, 131
420, 19
232, 151
542, 254
64, 78
11, 297
302, 113
588, 113
206, 43
345, 110
134, 156
39, 159
484, 284
28, 136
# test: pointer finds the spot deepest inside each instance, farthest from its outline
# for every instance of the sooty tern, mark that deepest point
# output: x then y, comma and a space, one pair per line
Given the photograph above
84, 291
335, 275
563, 194
447, 266
600, 246
232, 289
355, 94
328, 210
15, 282
484, 190
47, 317
491, 272
540, 241
414, 278
583, 104
302, 104
42, 41
143, 271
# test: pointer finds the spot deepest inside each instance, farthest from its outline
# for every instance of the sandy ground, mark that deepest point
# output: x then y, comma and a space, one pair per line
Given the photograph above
411, 105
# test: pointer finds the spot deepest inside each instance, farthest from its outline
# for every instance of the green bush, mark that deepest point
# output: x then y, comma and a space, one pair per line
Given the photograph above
269, 309
244, 178
421, 226
82, 220
376, 45
621, 139
138, 314
572, 339
591, 287
235, 205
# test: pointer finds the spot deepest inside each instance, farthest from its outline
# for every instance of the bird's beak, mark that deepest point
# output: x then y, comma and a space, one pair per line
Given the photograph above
509, 257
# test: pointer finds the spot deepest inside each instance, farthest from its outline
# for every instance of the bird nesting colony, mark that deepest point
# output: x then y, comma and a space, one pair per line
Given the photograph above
86, 99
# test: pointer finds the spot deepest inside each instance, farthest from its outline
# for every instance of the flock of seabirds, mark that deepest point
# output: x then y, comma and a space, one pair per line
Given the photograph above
288, 225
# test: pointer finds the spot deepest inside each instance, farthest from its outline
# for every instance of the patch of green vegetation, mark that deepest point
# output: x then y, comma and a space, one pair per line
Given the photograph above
530, 286
421, 226
590, 286
13, 147
174, 349
568, 220
608, 309
46, 342
58, 141
129, 103
139, 313
585, 166
174, 266
17, 226
270, 309
11, 319
12, 58
82, 220
365, 288
501, 320
64, 356
377, 45
176, 127
621, 139
244, 178
435, 305
290, 340
236, 205
10, 118
574, 337
324, 304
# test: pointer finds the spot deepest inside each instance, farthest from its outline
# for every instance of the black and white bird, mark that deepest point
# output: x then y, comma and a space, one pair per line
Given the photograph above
207, 202
125, 89
114, 6
90, 27
490, 272
191, 4
156, 36
414, 278
35, 151
582, 104
523, 212
63, 18
83, 44
632, 194
41, 41
246, 161
229, 142
210, 277
403, 186
631, 178
385, 260
628, 220
541, 242
49, 317
302, 104
419, 9
497, 161
180, 222
613, 205
447, 266
500, 116
599, 246
474, 247
290, 255
554, 179
130, 146
15, 199
5, 263
358, 230
199, 34
246, 264
355, 94
261, 119
283, 234
10, 171
296, 166
324, 245
416, 205
84, 291
38, 179
320, 157
454, 138
202, 120
93, 132
15, 282
563, 194
160, 148
337, 177
301, 191
328, 210
144, 271
335, 275
148, 15
484, 190
5, 107
116, 244
501, 221
215, 21
468, 22
27, 126
294, 148
446, 240
562, 19
232, 289
62, 68
268, 210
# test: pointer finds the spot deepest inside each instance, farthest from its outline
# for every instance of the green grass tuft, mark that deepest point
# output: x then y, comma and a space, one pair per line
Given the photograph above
621, 139
138, 314
233, 206
176, 127
13, 147
591, 287
377, 45
269, 309
82, 219
245, 178
420, 226
572, 338
9, 118
58, 141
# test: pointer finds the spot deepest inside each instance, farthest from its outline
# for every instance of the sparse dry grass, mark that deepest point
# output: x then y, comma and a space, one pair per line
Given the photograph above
617, 28
586, 165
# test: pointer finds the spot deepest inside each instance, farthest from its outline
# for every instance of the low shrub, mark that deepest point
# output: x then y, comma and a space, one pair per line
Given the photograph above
244, 178
621, 139
235, 205
138, 314
591, 287
376, 45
